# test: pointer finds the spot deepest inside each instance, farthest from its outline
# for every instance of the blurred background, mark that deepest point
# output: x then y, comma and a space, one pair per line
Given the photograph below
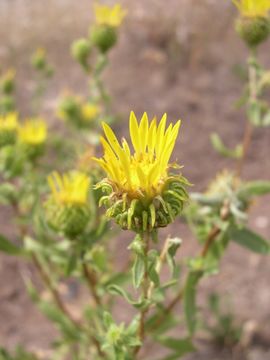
177, 56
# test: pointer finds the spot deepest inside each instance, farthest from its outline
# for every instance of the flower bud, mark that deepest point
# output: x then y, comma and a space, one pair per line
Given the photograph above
81, 50
253, 30
38, 60
67, 208
7, 82
8, 129
103, 37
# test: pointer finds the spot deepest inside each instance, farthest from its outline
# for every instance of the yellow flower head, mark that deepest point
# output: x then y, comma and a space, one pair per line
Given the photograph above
69, 189
33, 132
143, 173
90, 111
9, 122
253, 8
111, 16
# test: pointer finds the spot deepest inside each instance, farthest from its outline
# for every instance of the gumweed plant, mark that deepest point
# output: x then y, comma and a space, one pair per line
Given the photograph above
70, 203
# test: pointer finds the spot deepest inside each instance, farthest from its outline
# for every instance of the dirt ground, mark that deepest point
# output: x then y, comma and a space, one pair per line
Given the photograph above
174, 56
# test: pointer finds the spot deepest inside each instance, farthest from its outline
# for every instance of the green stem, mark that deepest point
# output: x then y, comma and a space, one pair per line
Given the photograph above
145, 292
253, 97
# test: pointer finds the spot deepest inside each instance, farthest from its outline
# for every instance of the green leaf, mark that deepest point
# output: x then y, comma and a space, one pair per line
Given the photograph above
117, 290
190, 307
250, 240
138, 270
254, 112
219, 146
8, 247
174, 245
254, 188
181, 346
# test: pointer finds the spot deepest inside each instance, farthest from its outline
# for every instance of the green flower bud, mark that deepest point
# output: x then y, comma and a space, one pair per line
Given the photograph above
253, 30
81, 50
70, 220
67, 208
8, 129
104, 37
138, 215
8, 82
38, 60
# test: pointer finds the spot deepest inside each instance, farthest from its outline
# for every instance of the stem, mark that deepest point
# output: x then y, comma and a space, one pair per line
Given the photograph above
57, 299
253, 97
92, 283
59, 302
145, 292
161, 261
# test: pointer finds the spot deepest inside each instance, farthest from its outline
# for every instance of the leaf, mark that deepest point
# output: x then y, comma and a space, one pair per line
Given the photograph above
174, 245
250, 240
117, 290
219, 146
254, 113
138, 270
181, 346
190, 308
254, 188
8, 247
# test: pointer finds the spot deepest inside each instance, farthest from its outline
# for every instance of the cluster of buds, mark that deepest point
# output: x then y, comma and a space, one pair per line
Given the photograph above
32, 136
67, 207
140, 193
8, 129
78, 112
102, 35
253, 24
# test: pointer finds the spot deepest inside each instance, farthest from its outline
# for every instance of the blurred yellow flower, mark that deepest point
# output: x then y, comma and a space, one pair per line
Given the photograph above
33, 132
69, 189
143, 173
111, 16
253, 8
9, 122
90, 111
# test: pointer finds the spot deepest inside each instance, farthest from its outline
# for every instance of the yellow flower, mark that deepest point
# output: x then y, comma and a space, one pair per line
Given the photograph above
253, 8
111, 16
90, 111
33, 132
69, 189
9, 122
143, 173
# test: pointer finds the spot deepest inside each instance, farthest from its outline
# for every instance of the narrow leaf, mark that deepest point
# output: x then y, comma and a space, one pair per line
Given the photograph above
250, 240
8, 247
138, 271
190, 308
